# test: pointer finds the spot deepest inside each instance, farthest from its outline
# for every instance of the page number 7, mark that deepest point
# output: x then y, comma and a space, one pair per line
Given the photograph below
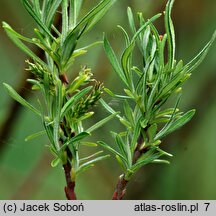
206, 206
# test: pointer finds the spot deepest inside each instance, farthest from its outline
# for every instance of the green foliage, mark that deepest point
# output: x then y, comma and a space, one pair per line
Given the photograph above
65, 104
148, 87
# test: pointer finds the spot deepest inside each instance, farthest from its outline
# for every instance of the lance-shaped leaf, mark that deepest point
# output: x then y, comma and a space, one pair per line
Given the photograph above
90, 156
37, 19
94, 15
197, 60
64, 19
126, 62
101, 123
35, 135
172, 126
99, 15
114, 62
131, 20
90, 164
50, 12
75, 139
82, 27
148, 159
67, 106
56, 162
15, 37
170, 34
75, 6
19, 99
57, 112
112, 150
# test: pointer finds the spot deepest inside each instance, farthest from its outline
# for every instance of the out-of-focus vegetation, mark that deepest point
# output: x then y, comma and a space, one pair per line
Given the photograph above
25, 171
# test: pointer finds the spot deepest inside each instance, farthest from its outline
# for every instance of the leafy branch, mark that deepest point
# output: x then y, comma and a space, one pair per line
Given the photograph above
148, 87
65, 104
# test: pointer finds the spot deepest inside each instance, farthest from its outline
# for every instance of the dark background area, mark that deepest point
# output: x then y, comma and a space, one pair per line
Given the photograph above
25, 171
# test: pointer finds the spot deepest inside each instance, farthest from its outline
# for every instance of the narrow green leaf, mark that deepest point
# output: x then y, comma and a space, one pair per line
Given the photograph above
35, 83
75, 6
36, 4
51, 12
84, 168
153, 94
64, 19
108, 91
75, 139
126, 36
55, 162
114, 62
170, 34
89, 144
145, 161
135, 136
121, 146
126, 63
129, 93
94, 15
170, 85
84, 117
91, 156
122, 164
168, 111
57, 104
196, 61
128, 112
131, 20
175, 125
9, 29
101, 123
79, 137
144, 26
97, 17
107, 107
69, 46
49, 131
82, 27
52, 150
152, 130
74, 99
14, 36
164, 152
34, 15
109, 148
159, 161
161, 50
35, 135
19, 99
145, 42
91, 163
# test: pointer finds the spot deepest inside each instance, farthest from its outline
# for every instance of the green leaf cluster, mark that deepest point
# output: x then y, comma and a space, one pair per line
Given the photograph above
148, 86
65, 103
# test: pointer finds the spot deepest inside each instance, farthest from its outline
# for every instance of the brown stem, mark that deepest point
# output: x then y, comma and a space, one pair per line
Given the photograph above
120, 190
70, 188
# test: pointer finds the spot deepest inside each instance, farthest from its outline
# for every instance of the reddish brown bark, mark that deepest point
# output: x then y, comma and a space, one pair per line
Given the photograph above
120, 190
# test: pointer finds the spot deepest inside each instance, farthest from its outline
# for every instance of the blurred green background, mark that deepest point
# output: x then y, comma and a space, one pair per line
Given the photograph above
25, 171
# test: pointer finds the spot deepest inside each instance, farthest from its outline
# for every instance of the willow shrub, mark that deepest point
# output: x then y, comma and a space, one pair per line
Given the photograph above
66, 104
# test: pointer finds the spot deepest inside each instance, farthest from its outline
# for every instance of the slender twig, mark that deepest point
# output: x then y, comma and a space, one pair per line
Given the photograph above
120, 190
121, 186
70, 188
